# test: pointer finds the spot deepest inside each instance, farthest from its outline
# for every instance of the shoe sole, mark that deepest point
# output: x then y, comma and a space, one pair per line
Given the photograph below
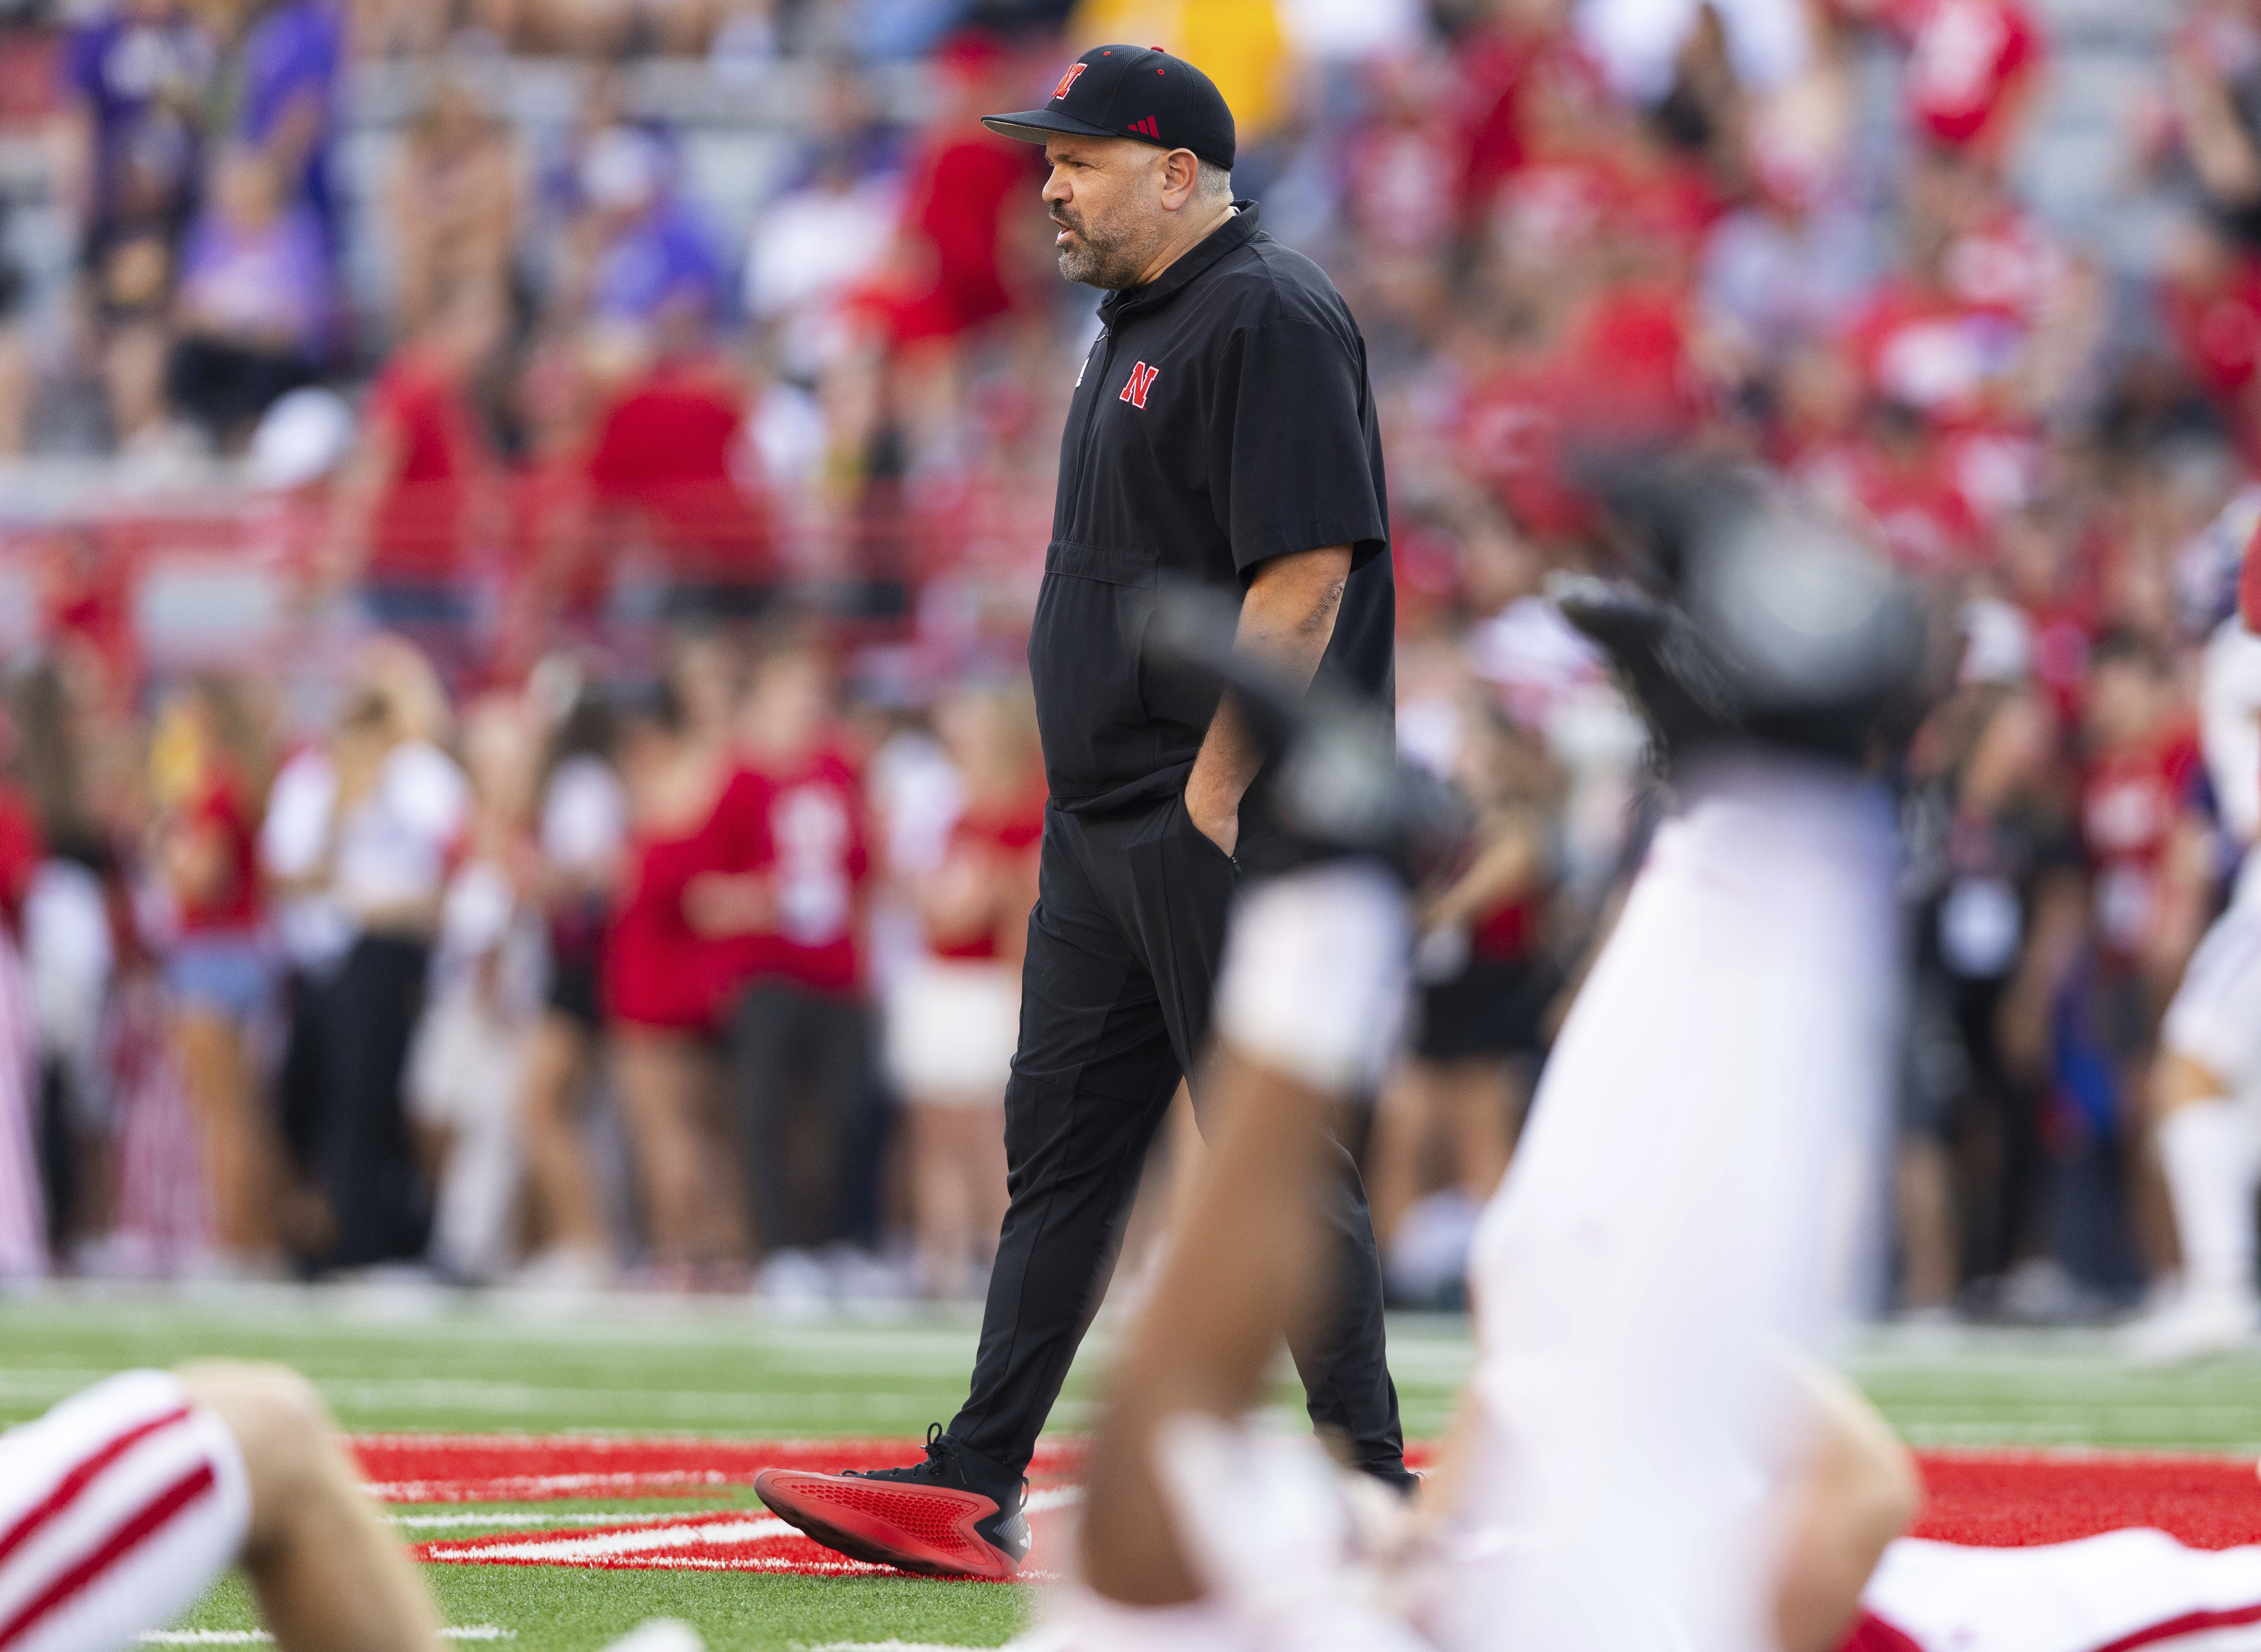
926, 1529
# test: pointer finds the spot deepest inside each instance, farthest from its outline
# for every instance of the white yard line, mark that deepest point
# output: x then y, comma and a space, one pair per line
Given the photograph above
564, 1551
504, 1488
530, 1522
259, 1637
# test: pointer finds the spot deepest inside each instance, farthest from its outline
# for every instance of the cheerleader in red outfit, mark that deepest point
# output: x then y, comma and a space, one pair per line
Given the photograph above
952, 1022
662, 976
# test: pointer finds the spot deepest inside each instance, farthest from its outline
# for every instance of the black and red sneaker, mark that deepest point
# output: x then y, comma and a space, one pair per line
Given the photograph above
955, 1515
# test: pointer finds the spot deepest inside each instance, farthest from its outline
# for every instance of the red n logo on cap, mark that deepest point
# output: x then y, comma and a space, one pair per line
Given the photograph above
1142, 380
1069, 80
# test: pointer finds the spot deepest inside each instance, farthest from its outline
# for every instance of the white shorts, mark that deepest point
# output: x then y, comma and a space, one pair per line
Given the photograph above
117, 1509
2122, 1589
2216, 1019
953, 1025
1690, 1201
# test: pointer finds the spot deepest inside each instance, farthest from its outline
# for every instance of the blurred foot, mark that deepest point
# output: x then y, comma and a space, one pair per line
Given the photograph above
2196, 1326
660, 1635
565, 1269
951, 1515
794, 1281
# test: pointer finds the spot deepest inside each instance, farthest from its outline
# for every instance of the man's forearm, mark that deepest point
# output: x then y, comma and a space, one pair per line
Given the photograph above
1247, 1264
1287, 620
1308, 1003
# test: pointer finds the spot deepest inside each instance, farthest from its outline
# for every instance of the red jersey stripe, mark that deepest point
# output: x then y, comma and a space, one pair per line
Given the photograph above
1872, 1634
2189, 1623
68, 1490
124, 1541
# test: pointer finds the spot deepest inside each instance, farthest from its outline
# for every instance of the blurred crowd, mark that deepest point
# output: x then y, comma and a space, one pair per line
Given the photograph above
633, 879
559, 985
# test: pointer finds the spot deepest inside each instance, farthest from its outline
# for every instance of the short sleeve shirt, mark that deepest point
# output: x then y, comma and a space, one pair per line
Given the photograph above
1223, 418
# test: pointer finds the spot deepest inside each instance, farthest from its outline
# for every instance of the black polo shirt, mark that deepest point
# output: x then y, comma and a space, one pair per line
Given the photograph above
1223, 417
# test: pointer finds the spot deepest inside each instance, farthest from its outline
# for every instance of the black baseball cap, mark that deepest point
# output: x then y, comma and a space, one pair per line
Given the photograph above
1132, 92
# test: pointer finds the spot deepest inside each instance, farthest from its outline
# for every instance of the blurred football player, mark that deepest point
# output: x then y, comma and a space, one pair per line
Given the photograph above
124, 1504
1641, 1462
2210, 1042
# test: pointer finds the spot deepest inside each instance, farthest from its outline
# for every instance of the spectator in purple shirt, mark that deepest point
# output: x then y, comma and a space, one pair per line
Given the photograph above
134, 81
288, 67
654, 272
255, 306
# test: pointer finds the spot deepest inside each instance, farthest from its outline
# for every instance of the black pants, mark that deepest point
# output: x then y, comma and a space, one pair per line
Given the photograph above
225, 386
1123, 947
801, 1068
365, 1163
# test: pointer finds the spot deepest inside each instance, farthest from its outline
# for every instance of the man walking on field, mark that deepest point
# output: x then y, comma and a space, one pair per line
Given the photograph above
1223, 432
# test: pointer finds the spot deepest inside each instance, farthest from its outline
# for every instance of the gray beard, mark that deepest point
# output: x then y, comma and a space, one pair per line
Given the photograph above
1096, 264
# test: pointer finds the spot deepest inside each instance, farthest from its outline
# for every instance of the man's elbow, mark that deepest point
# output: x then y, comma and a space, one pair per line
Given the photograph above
1321, 616
1305, 590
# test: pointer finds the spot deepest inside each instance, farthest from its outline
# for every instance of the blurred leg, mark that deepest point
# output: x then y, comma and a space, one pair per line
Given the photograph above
2207, 1152
1479, 1104
237, 1157
133, 377
939, 1188
328, 1571
1402, 1119
723, 1233
1687, 1203
18, 382
981, 1151
763, 1069
378, 1195
558, 1158
1922, 1191
656, 1073
841, 1076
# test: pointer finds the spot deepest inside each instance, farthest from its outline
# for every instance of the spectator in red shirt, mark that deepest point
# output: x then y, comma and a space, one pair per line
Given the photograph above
2145, 830
950, 272
219, 970
952, 1023
2210, 297
1920, 343
420, 494
1902, 485
2042, 575
664, 466
661, 969
799, 1029
1496, 66
1972, 68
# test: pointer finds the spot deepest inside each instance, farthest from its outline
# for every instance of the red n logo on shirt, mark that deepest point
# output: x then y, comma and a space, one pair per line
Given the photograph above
1142, 380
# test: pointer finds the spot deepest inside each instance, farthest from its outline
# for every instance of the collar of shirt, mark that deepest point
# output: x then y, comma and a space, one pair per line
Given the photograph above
1237, 231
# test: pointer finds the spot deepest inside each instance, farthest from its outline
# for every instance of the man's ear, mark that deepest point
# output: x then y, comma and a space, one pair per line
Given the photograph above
1181, 177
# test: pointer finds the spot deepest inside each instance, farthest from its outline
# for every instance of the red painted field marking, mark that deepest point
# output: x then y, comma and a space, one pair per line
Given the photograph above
1989, 1499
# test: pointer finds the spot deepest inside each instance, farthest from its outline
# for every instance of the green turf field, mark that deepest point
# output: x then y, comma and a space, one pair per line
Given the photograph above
392, 1360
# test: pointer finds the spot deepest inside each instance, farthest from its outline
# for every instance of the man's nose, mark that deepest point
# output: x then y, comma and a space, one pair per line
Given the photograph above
1056, 186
